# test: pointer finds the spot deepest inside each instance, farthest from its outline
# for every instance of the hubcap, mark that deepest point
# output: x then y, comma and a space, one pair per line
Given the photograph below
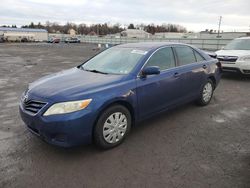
207, 92
115, 127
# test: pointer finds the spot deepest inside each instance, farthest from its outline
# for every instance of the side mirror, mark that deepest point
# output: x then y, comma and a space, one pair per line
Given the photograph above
150, 71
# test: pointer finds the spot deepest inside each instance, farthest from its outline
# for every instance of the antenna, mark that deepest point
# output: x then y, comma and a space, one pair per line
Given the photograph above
218, 36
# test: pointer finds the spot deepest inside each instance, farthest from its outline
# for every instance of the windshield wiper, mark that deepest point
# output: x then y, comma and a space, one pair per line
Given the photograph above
95, 71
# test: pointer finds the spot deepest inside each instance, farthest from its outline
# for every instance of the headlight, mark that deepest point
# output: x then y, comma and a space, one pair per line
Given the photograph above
244, 58
67, 107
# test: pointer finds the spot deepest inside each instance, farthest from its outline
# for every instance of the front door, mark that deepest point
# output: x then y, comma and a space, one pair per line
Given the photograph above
156, 92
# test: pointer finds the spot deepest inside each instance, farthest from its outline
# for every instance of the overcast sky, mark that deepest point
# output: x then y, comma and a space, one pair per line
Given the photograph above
195, 15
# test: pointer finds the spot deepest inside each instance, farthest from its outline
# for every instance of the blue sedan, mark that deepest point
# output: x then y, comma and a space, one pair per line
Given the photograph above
101, 99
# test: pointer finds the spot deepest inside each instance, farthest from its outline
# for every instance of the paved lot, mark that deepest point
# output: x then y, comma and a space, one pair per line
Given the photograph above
188, 147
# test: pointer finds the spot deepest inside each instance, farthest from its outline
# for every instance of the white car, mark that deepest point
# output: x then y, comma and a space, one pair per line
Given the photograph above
235, 57
72, 40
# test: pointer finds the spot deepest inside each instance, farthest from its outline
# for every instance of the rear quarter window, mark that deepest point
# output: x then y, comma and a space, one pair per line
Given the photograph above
198, 56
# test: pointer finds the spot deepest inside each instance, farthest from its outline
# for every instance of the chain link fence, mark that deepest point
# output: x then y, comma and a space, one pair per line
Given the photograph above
206, 44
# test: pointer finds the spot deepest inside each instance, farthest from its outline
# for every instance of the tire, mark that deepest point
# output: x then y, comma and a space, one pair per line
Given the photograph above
106, 134
206, 93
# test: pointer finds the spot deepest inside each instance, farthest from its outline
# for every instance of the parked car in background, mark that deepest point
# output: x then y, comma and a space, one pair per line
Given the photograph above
54, 40
102, 98
24, 39
72, 40
2, 39
235, 57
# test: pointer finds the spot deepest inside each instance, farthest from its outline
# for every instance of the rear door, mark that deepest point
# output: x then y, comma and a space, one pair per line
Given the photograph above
192, 69
157, 92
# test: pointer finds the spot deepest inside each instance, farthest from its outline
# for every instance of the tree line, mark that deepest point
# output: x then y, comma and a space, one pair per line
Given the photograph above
102, 29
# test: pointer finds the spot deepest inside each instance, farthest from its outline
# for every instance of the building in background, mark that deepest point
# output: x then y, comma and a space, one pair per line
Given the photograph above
202, 35
135, 33
222, 35
23, 34
72, 32
169, 35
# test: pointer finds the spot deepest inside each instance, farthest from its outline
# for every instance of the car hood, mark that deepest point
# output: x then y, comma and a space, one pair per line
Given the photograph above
70, 84
238, 53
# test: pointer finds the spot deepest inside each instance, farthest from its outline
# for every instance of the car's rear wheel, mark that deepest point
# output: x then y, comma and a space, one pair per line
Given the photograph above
207, 93
112, 127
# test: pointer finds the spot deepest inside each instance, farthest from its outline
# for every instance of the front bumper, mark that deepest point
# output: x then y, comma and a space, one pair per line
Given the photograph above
65, 130
239, 66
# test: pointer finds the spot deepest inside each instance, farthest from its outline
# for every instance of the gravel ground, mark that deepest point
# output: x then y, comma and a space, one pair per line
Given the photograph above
188, 147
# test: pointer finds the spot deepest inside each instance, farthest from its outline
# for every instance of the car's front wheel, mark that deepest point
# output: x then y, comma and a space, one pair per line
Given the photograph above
112, 127
207, 93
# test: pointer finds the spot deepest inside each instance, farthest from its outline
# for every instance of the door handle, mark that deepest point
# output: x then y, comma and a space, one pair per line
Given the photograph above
204, 66
176, 75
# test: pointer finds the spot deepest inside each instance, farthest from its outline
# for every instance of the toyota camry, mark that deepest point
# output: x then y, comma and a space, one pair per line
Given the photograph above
101, 99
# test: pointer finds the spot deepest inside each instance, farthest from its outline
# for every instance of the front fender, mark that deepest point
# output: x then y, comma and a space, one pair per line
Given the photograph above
127, 99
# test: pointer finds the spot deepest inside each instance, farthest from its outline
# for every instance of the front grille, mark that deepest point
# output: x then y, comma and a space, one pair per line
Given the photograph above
33, 106
227, 59
230, 69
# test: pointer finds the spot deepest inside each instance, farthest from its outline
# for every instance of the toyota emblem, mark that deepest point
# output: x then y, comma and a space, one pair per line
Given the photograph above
25, 98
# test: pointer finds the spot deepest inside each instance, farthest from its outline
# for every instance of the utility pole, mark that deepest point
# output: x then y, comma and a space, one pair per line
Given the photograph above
97, 29
219, 27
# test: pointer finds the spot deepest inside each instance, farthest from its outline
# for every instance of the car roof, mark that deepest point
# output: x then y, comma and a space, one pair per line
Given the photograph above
148, 45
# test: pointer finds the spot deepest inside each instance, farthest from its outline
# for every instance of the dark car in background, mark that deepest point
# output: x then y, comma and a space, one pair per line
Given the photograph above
101, 99
24, 39
54, 40
2, 39
72, 40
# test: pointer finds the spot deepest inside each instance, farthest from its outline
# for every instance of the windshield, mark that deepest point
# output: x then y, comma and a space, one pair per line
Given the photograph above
238, 44
115, 60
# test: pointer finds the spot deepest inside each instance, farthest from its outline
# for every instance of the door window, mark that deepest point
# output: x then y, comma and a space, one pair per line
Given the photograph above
163, 58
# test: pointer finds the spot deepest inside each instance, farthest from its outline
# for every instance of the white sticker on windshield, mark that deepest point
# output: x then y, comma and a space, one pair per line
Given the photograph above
141, 52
